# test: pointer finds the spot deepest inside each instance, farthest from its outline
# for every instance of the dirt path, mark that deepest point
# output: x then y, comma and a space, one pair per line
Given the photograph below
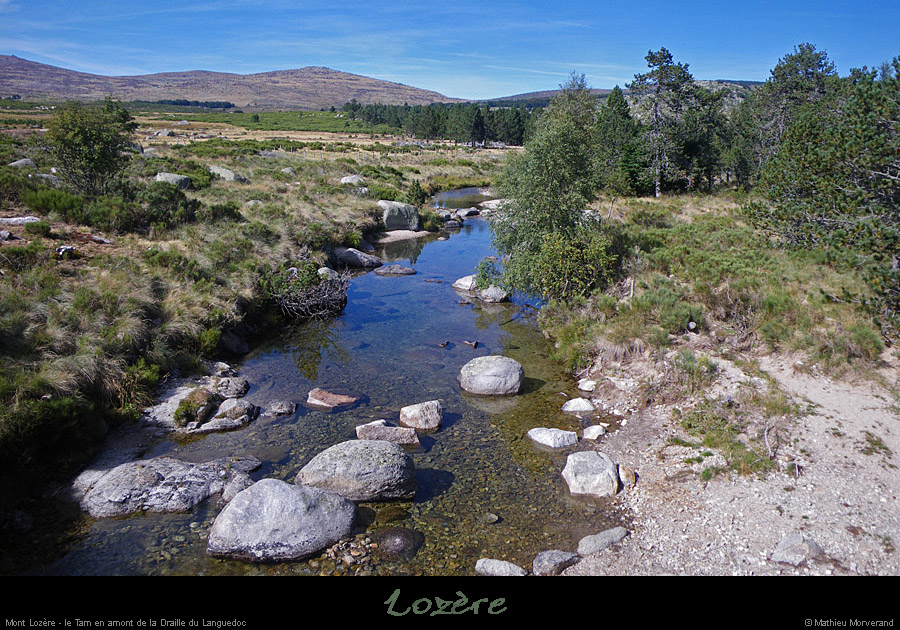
843, 497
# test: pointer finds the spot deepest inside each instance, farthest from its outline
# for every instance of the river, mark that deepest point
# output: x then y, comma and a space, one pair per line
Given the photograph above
484, 489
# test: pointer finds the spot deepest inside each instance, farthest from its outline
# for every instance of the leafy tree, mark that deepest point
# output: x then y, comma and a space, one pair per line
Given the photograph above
90, 145
550, 186
667, 87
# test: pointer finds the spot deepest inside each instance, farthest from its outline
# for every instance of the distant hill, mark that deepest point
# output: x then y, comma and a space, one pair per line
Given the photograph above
304, 88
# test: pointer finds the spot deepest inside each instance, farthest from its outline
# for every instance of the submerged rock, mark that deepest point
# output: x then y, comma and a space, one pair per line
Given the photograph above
318, 398
398, 543
395, 270
362, 470
273, 521
492, 375
163, 485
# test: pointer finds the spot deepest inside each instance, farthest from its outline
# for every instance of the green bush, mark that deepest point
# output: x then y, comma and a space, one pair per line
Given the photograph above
38, 228
565, 268
52, 201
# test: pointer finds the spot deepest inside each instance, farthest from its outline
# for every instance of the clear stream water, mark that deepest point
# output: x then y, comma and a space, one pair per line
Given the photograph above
484, 489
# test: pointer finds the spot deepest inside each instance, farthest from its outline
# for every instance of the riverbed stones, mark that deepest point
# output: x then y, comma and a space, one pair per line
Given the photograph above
587, 385
319, 398
591, 473
395, 270
493, 567
425, 416
578, 405
468, 286
182, 181
232, 386
362, 470
163, 485
553, 438
796, 549
233, 413
492, 375
276, 521
398, 543
399, 216
196, 408
352, 257
593, 432
595, 543
553, 562
382, 430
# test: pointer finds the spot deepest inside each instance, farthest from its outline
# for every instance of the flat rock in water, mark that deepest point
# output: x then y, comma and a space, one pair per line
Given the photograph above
232, 386
492, 375
381, 430
490, 566
320, 399
578, 405
426, 416
553, 438
398, 543
163, 485
591, 473
232, 414
553, 562
354, 258
281, 408
362, 470
395, 270
596, 543
468, 286
273, 521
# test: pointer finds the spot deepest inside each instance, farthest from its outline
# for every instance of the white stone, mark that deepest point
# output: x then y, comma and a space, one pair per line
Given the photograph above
594, 432
426, 416
553, 438
591, 473
587, 385
578, 405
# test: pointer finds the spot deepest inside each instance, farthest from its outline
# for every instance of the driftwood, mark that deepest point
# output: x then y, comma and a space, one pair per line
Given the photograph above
325, 299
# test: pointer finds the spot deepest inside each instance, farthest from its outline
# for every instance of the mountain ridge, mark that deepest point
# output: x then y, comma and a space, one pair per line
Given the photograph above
311, 87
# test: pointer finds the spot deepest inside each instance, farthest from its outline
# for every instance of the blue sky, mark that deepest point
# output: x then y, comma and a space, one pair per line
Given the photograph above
461, 48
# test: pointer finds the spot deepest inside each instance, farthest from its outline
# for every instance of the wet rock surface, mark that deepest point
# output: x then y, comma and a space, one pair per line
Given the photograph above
273, 520
362, 470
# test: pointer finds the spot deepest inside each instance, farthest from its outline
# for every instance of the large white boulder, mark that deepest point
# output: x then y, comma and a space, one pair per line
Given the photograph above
492, 375
591, 473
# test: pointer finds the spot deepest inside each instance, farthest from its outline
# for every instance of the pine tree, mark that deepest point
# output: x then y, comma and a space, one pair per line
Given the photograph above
667, 87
